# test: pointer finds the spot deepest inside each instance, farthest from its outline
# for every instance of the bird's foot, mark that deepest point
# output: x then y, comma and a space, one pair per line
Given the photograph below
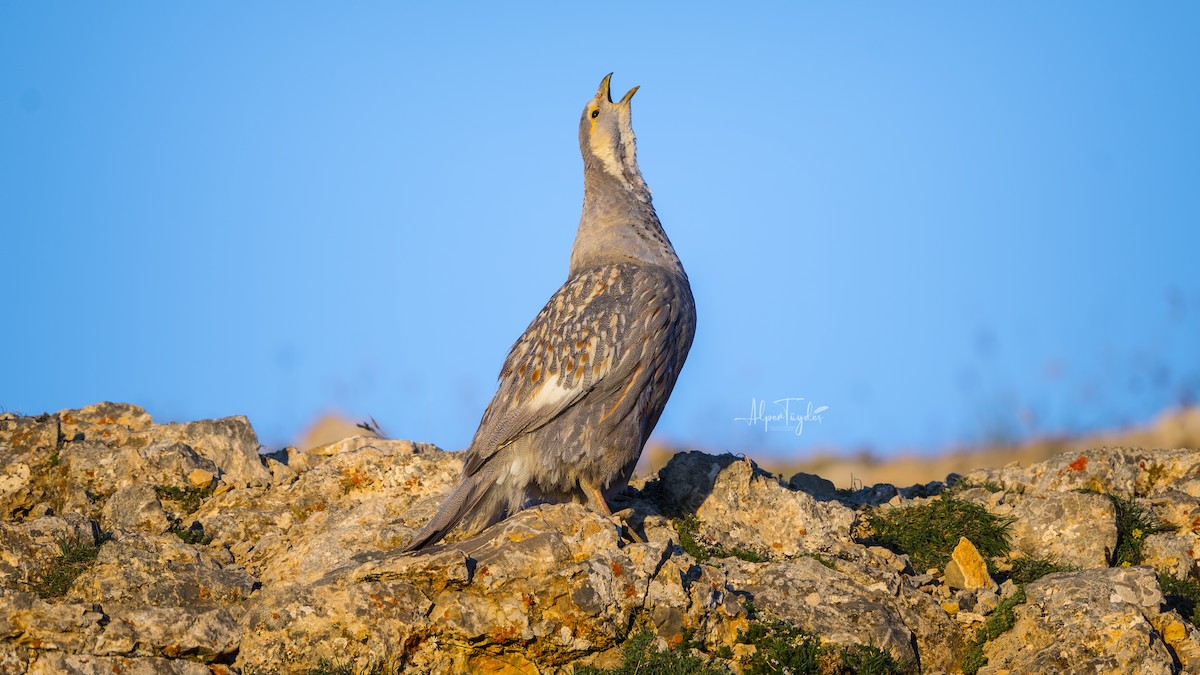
621, 520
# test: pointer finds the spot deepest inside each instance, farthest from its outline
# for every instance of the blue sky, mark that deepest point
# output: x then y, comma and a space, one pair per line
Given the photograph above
948, 223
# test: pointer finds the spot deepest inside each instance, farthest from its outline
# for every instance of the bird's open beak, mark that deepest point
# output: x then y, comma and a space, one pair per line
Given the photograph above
603, 91
628, 95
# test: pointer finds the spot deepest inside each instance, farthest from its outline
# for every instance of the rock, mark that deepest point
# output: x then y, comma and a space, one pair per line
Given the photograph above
1074, 528
739, 505
28, 455
986, 601
138, 569
1182, 638
1171, 554
216, 559
229, 443
135, 507
54, 663
201, 478
1127, 472
967, 569
102, 421
102, 470
820, 488
1087, 621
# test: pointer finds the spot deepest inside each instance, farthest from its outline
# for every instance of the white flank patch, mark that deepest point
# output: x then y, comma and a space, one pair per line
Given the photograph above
550, 395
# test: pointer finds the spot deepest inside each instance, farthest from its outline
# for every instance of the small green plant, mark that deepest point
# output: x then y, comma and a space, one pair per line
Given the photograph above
189, 535
929, 532
643, 657
1031, 567
55, 579
999, 622
780, 647
189, 498
1134, 524
687, 529
54, 460
1182, 595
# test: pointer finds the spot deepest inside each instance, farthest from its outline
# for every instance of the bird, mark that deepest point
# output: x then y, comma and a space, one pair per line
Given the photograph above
584, 386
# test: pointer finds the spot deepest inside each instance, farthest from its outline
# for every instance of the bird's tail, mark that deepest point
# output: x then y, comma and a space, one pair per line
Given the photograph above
478, 499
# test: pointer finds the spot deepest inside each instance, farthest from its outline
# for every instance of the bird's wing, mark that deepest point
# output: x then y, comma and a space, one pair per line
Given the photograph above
573, 346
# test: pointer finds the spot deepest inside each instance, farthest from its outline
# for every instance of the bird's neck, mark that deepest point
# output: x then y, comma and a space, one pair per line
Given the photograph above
619, 223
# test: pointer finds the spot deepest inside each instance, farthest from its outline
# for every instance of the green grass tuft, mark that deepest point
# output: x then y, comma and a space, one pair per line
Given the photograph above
1000, 621
780, 647
1134, 524
55, 579
1183, 596
189, 535
688, 527
1031, 567
643, 658
189, 498
929, 532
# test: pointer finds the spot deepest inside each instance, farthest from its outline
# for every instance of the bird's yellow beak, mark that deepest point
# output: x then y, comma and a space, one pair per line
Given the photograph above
628, 96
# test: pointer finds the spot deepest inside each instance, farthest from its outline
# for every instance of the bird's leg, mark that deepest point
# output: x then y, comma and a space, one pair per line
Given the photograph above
595, 499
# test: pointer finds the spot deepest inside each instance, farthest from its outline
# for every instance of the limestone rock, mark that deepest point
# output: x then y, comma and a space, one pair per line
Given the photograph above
967, 569
1127, 472
740, 505
1085, 622
135, 507
215, 559
1075, 528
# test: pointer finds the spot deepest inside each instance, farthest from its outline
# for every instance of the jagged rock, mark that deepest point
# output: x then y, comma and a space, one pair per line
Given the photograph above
739, 505
28, 447
820, 488
102, 421
1127, 472
360, 500
967, 569
1093, 621
1171, 554
216, 559
139, 569
546, 586
55, 663
134, 507
27, 546
1077, 529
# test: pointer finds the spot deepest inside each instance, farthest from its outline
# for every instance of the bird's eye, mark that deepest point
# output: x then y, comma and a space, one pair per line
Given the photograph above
595, 113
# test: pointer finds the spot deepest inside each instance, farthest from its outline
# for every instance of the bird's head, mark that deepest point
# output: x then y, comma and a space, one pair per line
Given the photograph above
606, 134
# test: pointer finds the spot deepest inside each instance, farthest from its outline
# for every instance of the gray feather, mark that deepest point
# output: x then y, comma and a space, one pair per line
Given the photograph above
475, 499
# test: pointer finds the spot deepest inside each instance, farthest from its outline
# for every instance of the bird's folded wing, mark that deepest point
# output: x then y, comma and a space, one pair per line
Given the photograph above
572, 346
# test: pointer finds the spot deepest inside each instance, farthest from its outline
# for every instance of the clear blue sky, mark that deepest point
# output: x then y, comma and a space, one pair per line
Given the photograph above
946, 222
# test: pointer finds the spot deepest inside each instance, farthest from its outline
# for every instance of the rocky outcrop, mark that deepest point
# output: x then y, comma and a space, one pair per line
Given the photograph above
129, 546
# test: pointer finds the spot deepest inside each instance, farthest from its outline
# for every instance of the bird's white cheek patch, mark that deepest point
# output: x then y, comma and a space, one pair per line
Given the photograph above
550, 395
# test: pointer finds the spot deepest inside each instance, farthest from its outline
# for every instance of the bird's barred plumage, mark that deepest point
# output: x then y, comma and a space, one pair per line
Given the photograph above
585, 384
